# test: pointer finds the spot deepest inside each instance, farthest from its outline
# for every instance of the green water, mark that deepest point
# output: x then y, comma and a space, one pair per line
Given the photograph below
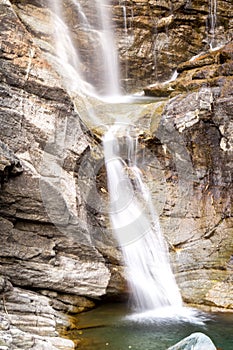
108, 328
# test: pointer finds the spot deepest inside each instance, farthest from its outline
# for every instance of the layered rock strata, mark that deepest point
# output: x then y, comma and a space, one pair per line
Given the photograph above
49, 267
57, 258
158, 35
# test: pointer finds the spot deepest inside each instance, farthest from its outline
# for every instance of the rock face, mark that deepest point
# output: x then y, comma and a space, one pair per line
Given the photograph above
56, 254
45, 246
158, 35
196, 128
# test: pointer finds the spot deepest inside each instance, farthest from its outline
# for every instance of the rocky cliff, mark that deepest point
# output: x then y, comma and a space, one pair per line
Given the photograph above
159, 35
45, 267
196, 127
56, 256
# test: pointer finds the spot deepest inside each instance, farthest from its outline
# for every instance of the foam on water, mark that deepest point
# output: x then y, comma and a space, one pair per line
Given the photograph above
137, 229
169, 314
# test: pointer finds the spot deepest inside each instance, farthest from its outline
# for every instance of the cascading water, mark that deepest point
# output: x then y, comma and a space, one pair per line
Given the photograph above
212, 22
85, 46
67, 55
124, 10
132, 214
137, 228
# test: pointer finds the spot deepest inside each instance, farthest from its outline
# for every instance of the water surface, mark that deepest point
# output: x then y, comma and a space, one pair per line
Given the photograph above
109, 327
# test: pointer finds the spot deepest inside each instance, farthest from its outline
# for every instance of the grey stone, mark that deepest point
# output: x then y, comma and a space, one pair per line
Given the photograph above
196, 341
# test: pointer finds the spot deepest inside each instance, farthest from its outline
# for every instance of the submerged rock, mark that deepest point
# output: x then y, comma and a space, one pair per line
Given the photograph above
196, 341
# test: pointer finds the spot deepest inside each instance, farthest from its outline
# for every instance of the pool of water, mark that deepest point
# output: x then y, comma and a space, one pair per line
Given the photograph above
110, 327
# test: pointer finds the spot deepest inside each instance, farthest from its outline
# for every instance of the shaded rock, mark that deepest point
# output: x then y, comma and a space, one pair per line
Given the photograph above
202, 60
5, 285
203, 71
68, 303
226, 53
9, 164
196, 341
118, 286
52, 262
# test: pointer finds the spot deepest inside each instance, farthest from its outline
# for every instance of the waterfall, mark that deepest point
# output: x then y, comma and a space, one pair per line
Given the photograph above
85, 46
137, 228
67, 55
124, 10
212, 22
108, 48
133, 217
213, 15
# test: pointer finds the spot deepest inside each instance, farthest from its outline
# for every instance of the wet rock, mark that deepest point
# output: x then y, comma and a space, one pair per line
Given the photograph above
156, 36
200, 61
226, 53
201, 72
196, 341
161, 35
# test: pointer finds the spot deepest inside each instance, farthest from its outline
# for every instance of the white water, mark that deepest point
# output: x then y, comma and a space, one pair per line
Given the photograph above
213, 15
173, 78
212, 22
124, 10
98, 45
67, 58
132, 214
137, 228
111, 70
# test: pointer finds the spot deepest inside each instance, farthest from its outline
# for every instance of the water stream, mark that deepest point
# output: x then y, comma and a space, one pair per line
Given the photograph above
86, 39
133, 216
212, 22
136, 225
109, 328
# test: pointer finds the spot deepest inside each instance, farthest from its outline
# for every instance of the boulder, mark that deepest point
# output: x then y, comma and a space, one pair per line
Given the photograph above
196, 341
